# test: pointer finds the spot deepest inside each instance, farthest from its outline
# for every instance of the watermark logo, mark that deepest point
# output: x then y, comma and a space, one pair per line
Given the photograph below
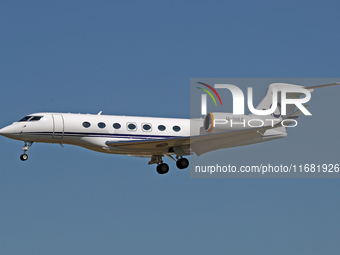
208, 92
204, 97
271, 100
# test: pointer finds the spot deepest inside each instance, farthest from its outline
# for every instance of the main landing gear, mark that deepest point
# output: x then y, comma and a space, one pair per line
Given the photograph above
163, 168
26, 147
182, 163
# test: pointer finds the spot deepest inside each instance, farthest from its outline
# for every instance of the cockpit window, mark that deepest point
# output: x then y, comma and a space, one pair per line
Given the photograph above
31, 118
35, 118
25, 118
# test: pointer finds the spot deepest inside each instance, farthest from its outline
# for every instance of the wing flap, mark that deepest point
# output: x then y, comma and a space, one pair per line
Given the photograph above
152, 145
210, 142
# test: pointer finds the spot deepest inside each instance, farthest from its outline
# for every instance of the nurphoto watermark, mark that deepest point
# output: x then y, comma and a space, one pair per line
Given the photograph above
223, 119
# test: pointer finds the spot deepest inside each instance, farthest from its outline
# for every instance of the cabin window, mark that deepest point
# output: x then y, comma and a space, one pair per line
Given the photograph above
131, 126
146, 127
176, 128
161, 128
101, 125
86, 124
116, 126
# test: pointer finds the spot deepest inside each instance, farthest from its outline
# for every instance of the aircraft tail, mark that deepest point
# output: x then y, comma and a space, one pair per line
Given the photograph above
267, 100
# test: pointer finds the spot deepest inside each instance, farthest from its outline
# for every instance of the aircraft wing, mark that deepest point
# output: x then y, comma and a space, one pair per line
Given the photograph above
152, 145
210, 142
322, 86
205, 143
198, 144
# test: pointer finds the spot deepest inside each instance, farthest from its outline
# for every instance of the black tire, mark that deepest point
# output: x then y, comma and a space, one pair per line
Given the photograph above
182, 163
162, 168
24, 157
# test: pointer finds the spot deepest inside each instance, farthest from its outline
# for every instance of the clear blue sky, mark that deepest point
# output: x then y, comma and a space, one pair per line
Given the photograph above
137, 58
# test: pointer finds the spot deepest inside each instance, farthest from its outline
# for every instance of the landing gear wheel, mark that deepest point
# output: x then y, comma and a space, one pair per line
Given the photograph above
162, 168
24, 157
182, 163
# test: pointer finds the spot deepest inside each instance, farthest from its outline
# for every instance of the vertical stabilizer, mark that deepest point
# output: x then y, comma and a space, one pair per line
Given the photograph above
267, 100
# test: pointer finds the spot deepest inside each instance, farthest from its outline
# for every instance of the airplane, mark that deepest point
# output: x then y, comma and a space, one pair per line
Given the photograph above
153, 137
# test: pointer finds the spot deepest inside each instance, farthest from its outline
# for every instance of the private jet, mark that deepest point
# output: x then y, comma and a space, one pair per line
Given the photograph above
155, 138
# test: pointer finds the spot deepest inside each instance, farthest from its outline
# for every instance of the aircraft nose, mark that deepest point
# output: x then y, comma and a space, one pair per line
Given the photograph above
8, 132
4, 131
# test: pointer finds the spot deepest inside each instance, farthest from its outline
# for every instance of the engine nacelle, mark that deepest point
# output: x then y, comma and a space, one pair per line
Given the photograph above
217, 122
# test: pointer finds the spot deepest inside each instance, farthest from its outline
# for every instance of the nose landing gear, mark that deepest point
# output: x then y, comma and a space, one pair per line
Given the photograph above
26, 147
23, 157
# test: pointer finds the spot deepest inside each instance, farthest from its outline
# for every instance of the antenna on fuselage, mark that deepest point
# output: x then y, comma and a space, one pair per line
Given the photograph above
99, 113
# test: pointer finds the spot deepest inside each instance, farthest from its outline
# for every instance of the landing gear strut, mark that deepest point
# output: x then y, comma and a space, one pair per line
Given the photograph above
26, 147
162, 168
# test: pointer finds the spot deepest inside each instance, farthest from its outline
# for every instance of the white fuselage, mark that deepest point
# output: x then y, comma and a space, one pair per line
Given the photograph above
93, 131
107, 133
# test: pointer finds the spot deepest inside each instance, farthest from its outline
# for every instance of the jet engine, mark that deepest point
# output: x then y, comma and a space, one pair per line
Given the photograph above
217, 122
